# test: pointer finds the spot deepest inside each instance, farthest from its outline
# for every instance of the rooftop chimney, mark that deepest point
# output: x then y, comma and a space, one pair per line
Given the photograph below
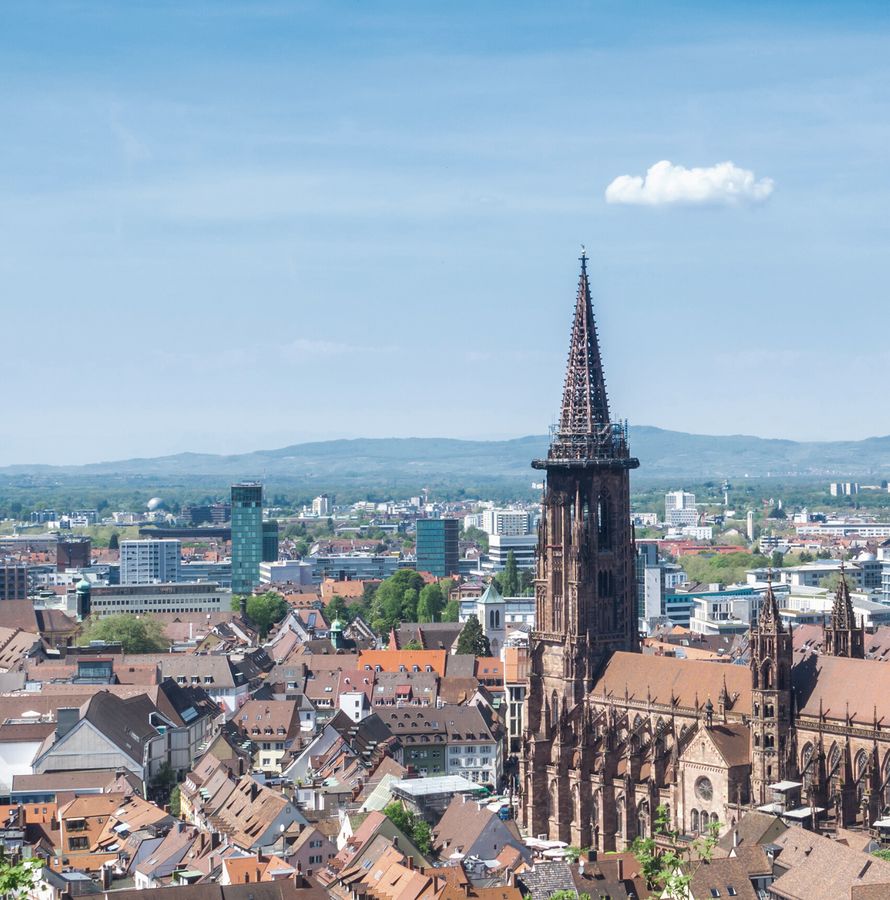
66, 718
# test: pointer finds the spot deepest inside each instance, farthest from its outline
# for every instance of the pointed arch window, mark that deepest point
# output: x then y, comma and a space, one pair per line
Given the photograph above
603, 523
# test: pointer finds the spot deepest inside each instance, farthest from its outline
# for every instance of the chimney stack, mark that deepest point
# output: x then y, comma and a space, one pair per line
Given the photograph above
66, 718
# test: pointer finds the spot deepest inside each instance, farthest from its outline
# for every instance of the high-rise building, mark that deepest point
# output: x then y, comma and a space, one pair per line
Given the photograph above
321, 506
247, 536
505, 521
270, 541
13, 580
150, 561
437, 551
679, 508
586, 597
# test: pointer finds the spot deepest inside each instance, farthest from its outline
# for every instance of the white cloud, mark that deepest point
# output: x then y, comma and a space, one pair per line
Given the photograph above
723, 184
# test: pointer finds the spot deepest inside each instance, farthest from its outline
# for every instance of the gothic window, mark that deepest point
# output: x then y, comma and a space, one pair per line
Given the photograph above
693, 822
585, 512
667, 817
619, 815
603, 529
834, 760
766, 675
714, 819
806, 766
704, 790
782, 678
861, 769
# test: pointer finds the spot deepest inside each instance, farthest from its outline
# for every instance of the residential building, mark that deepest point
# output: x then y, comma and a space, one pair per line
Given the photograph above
271, 726
13, 580
150, 561
437, 546
843, 488
134, 733
679, 508
506, 521
247, 536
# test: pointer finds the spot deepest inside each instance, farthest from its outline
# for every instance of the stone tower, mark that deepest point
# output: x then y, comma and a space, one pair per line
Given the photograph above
585, 594
771, 659
843, 637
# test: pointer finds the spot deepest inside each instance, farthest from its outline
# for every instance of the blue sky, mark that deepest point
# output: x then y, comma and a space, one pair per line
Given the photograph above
231, 226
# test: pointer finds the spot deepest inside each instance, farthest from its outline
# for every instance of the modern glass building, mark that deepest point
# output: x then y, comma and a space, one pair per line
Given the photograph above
437, 551
247, 536
270, 541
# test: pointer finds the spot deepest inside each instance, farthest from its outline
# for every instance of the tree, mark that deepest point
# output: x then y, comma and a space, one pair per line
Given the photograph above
390, 605
451, 613
336, 609
354, 610
472, 639
114, 542
777, 559
175, 801
135, 635
510, 577
410, 825
266, 610
666, 868
831, 581
430, 604
17, 877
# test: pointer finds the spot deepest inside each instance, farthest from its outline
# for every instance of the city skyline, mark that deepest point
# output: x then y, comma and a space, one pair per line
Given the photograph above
229, 226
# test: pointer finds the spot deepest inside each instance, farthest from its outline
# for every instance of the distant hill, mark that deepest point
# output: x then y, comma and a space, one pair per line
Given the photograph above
662, 454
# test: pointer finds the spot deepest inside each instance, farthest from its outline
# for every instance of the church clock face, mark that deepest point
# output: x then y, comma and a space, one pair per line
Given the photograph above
704, 790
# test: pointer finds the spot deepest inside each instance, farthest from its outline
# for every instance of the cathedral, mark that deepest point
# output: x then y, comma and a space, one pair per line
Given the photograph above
610, 733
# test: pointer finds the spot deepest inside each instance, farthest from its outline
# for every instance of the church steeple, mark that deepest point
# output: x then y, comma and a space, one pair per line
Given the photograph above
585, 430
843, 637
585, 404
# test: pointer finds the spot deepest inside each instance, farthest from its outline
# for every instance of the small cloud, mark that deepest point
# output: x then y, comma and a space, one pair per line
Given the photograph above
723, 184
308, 347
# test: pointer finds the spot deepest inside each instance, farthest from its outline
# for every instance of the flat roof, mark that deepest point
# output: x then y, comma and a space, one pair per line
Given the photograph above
437, 784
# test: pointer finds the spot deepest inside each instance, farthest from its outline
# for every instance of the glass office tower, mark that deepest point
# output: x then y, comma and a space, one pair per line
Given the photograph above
437, 551
247, 536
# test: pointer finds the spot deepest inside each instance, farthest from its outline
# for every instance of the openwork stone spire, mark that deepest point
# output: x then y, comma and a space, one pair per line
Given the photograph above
585, 431
769, 619
842, 609
584, 401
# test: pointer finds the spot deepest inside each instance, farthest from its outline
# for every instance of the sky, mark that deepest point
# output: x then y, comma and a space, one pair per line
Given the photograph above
230, 226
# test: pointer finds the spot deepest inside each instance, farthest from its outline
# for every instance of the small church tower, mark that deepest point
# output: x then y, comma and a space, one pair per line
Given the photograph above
843, 637
771, 659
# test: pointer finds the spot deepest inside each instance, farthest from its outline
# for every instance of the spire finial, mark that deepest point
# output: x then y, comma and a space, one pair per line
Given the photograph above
583, 259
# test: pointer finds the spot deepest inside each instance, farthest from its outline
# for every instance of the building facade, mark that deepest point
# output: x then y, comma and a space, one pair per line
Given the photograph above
437, 546
150, 561
247, 536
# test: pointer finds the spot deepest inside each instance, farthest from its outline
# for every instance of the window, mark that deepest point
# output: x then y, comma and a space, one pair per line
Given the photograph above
78, 843
715, 892
731, 891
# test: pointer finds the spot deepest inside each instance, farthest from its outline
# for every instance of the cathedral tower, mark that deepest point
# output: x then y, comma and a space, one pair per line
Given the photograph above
585, 605
771, 660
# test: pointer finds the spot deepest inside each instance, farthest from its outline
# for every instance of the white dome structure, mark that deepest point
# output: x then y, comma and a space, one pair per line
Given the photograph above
155, 503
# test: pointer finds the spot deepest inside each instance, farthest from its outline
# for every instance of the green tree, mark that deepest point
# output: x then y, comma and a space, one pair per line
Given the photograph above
354, 610
263, 610
476, 536
410, 825
409, 605
451, 612
135, 635
472, 639
175, 801
398, 815
777, 559
336, 609
422, 835
114, 542
665, 863
17, 877
526, 582
830, 581
510, 577
430, 604
388, 607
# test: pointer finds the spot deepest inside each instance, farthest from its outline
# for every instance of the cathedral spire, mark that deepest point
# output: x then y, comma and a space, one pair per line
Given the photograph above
769, 610
584, 402
842, 609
